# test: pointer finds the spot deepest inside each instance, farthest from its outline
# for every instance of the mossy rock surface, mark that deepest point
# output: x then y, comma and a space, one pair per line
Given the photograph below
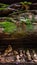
3, 6
11, 30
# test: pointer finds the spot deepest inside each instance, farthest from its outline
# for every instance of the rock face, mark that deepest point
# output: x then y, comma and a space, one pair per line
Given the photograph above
35, 27
22, 20
18, 56
5, 12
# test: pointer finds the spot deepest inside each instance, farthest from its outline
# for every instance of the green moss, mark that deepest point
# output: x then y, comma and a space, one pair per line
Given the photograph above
9, 27
3, 6
25, 3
